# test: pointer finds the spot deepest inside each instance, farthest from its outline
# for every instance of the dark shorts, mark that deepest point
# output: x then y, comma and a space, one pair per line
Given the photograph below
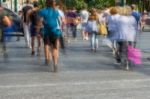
50, 40
33, 31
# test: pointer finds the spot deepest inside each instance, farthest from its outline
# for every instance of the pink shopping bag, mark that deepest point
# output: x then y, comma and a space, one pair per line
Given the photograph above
134, 55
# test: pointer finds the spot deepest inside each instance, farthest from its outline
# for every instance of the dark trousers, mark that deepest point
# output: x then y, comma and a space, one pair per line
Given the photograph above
74, 30
122, 50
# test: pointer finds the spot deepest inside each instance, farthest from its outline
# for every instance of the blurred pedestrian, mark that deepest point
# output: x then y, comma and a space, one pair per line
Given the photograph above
143, 19
5, 27
73, 18
92, 28
62, 25
127, 29
52, 33
84, 15
137, 16
112, 26
32, 19
26, 26
20, 14
135, 13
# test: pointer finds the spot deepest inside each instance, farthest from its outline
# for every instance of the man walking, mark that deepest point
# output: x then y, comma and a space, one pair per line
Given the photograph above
52, 33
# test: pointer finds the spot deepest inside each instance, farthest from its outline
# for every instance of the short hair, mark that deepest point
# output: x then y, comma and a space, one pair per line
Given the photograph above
120, 10
133, 6
113, 10
49, 2
126, 11
35, 4
27, 1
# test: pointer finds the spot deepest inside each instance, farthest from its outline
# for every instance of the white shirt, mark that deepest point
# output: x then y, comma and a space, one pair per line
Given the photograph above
62, 18
127, 28
84, 14
61, 13
102, 19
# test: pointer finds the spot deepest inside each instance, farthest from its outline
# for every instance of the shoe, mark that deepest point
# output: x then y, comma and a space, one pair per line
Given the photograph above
68, 41
86, 38
118, 60
55, 68
92, 49
126, 65
33, 53
127, 68
38, 52
47, 62
148, 58
113, 51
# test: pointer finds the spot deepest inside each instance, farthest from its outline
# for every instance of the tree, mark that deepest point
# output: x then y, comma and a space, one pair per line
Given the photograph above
42, 3
100, 4
78, 4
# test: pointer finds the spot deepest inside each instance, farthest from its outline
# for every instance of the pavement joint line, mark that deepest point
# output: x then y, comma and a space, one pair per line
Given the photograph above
73, 83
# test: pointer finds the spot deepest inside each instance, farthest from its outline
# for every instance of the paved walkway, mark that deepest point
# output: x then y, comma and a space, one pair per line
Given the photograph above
82, 74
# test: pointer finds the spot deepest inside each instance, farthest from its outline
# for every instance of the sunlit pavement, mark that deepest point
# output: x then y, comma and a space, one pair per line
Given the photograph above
81, 75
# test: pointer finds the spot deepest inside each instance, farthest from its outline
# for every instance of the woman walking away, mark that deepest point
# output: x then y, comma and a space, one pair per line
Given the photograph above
84, 15
127, 29
112, 26
92, 28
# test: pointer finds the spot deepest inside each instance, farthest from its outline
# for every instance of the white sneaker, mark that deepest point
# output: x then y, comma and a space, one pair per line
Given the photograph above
86, 38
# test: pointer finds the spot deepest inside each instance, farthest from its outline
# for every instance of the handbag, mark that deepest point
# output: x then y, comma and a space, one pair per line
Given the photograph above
102, 29
134, 55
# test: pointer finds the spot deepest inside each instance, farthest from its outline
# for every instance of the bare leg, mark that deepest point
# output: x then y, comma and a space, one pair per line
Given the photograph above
83, 35
32, 45
47, 54
39, 44
56, 54
86, 35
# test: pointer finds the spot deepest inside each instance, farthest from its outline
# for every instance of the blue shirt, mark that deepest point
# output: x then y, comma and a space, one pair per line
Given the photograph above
136, 15
51, 18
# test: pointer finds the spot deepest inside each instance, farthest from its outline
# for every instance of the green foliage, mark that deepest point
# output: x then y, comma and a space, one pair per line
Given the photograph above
42, 3
4, 0
100, 4
78, 4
